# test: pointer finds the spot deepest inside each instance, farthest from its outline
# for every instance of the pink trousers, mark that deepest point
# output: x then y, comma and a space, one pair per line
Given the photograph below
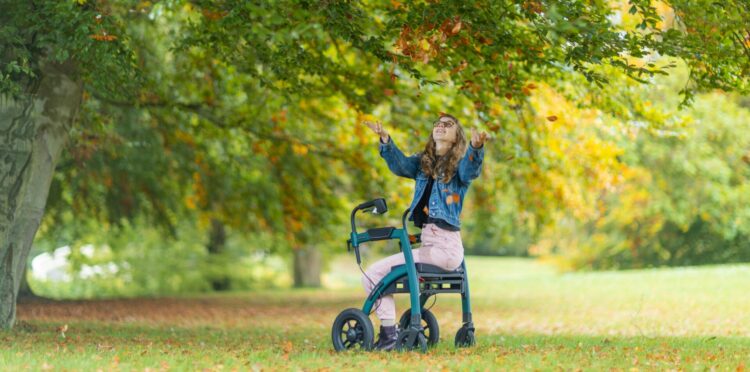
440, 247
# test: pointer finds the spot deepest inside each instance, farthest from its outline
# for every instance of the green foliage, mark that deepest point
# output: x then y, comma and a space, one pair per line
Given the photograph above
61, 31
716, 43
491, 48
148, 264
681, 198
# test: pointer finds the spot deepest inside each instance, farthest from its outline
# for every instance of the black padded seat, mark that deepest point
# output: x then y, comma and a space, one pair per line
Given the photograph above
432, 269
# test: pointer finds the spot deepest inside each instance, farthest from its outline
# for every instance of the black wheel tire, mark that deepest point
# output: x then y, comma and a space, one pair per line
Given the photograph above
402, 344
465, 337
430, 327
352, 329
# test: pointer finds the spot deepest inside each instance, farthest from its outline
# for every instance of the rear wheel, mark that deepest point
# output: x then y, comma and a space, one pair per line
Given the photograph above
352, 329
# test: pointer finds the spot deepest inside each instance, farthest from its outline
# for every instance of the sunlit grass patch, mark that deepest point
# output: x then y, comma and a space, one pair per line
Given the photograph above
527, 316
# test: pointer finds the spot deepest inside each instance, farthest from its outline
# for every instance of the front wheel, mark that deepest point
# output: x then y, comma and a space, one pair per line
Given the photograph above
465, 337
430, 328
410, 339
352, 329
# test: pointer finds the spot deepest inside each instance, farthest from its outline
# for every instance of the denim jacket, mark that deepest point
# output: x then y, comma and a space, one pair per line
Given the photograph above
446, 199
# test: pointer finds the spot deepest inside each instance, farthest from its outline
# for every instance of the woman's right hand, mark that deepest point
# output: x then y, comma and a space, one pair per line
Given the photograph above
377, 127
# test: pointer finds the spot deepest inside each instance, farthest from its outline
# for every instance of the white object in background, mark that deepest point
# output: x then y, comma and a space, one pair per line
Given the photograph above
55, 266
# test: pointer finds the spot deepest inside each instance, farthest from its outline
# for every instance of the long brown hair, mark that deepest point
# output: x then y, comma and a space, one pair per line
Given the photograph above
448, 163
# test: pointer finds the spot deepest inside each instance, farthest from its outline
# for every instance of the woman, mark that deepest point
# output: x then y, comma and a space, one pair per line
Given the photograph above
443, 173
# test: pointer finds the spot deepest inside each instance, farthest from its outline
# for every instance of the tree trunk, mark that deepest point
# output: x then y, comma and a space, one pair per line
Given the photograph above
24, 290
33, 132
307, 266
216, 244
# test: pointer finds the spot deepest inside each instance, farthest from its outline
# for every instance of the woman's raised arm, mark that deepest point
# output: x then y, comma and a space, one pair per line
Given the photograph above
397, 162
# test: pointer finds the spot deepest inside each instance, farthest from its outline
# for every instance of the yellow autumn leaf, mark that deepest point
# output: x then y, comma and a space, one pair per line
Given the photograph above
190, 202
424, 44
361, 117
299, 149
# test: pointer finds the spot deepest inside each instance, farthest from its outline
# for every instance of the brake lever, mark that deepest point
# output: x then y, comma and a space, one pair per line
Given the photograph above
356, 250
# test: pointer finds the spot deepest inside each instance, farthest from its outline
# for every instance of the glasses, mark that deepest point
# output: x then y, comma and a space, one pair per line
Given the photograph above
444, 124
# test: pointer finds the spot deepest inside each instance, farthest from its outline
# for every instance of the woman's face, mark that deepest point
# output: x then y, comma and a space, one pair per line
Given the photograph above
444, 130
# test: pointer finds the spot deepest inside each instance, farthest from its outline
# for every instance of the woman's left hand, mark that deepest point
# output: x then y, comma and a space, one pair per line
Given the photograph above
478, 139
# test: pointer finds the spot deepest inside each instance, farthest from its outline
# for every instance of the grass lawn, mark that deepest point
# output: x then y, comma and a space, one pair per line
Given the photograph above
527, 317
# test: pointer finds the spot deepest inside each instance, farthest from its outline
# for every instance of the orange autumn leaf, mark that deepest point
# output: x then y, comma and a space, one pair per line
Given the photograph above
103, 37
279, 116
212, 15
460, 67
456, 198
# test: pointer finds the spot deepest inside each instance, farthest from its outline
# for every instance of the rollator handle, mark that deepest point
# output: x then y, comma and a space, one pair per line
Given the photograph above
356, 250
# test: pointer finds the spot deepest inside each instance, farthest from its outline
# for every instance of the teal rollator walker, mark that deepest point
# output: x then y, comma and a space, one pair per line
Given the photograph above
418, 327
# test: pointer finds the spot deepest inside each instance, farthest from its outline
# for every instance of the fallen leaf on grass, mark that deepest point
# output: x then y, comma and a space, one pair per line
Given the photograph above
62, 329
